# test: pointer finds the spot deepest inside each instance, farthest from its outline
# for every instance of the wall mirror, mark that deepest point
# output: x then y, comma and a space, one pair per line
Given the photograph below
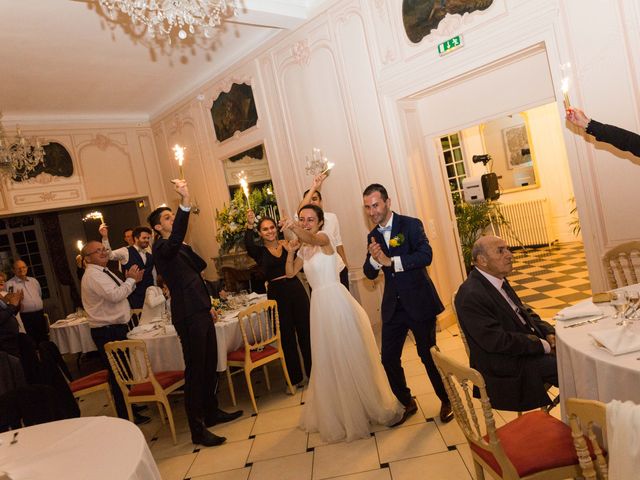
508, 141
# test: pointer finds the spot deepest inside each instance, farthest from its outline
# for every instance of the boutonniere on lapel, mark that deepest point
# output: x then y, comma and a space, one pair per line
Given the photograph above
397, 240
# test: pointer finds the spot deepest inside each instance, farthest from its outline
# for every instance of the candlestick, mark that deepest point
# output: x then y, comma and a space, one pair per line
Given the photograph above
179, 155
565, 92
245, 186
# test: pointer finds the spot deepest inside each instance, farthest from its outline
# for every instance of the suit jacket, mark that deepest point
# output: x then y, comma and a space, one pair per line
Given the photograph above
500, 346
180, 267
616, 136
412, 287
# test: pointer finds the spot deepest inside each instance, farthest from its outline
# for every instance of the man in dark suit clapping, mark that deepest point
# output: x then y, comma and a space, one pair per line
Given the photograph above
399, 247
181, 269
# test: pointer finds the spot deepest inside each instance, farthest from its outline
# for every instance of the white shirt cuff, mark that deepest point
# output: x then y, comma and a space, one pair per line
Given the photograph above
397, 264
374, 263
185, 209
547, 347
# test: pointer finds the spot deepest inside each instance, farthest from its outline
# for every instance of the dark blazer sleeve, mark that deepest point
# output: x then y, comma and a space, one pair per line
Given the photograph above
480, 321
170, 247
253, 250
420, 253
618, 137
545, 328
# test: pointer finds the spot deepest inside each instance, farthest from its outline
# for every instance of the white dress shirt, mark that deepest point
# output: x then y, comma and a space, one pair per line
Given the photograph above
32, 301
122, 255
331, 227
497, 283
103, 299
396, 262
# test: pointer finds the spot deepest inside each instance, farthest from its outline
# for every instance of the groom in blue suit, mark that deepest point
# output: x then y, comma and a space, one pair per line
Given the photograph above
399, 247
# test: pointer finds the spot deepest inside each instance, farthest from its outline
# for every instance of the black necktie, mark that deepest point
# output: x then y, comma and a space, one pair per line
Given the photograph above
521, 310
112, 276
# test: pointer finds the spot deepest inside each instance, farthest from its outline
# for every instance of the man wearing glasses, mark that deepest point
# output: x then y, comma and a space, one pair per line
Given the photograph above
104, 298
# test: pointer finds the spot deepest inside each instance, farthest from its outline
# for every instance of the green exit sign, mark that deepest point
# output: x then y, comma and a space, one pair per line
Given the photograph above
450, 45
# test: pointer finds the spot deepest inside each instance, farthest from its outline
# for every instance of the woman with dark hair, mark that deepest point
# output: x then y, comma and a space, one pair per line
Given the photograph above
349, 389
292, 299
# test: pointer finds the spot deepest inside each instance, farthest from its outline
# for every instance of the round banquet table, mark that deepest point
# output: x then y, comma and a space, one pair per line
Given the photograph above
587, 371
163, 346
72, 336
100, 448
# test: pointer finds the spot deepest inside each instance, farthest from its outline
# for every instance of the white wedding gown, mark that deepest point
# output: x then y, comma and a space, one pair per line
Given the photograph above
348, 389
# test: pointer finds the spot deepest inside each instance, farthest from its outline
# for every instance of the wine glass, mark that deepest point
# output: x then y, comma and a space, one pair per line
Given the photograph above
620, 301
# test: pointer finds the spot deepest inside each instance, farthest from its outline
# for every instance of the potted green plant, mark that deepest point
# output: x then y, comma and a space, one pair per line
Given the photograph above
473, 220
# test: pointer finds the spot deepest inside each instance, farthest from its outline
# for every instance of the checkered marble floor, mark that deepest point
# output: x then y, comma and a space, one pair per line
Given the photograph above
551, 278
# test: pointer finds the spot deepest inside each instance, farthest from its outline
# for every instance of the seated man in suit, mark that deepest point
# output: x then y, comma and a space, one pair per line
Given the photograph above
509, 344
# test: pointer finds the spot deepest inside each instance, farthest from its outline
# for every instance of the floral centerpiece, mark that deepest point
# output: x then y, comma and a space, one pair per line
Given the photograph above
232, 219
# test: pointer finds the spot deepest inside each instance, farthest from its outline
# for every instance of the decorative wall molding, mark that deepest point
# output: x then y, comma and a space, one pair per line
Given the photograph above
300, 52
49, 196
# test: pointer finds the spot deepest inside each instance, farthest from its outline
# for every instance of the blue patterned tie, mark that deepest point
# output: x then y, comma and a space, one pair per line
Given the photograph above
382, 230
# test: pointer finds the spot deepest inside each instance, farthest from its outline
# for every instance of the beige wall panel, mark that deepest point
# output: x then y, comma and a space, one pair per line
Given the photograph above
107, 170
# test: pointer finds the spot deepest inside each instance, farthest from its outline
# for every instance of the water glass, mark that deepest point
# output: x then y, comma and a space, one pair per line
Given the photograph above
620, 301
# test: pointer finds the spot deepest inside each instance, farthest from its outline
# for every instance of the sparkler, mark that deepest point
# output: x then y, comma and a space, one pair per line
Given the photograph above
179, 154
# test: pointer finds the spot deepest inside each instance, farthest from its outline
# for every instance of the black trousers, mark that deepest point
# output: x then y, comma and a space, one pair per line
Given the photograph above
35, 324
100, 336
200, 349
394, 334
293, 311
344, 277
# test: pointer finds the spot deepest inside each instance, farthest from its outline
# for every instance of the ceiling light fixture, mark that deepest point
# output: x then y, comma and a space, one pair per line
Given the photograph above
160, 17
19, 156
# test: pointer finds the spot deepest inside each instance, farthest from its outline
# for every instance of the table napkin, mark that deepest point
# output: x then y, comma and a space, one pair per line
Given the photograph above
587, 309
617, 340
230, 316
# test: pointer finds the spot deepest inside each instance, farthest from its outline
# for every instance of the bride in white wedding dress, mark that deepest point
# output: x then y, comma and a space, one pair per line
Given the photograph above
348, 389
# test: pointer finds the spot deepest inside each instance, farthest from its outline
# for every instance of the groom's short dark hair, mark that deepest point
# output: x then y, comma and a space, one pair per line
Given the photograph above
376, 187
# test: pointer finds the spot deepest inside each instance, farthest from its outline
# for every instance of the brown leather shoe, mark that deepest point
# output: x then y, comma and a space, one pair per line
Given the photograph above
409, 410
446, 414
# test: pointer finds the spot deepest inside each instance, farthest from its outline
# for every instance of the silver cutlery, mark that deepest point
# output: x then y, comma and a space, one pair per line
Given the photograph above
584, 322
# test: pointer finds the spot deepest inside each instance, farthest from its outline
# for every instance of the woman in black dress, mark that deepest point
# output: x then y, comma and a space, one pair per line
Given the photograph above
292, 299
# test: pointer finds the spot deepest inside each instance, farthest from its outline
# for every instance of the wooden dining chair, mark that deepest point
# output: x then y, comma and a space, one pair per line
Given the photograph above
455, 316
532, 446
260, 329
583, 416
622, 264
95, 382
130, 364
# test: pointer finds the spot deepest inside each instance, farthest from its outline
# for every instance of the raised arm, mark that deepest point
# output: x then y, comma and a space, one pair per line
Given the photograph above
315, 186
171, 246
253, 250
294, 263
305, 236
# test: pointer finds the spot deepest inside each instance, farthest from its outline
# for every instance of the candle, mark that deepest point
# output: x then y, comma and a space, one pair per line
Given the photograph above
179, 154
79, 244
565, 92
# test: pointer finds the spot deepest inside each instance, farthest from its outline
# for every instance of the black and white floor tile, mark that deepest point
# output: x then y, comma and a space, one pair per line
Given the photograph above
551, 278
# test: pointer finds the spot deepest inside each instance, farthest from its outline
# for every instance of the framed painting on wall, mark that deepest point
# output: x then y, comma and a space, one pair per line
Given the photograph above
234, 111
516, 145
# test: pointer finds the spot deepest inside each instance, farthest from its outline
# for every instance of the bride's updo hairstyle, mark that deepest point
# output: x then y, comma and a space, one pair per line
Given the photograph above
319, 213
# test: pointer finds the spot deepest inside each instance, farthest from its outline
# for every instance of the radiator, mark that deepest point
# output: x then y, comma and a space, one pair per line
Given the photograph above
529, 223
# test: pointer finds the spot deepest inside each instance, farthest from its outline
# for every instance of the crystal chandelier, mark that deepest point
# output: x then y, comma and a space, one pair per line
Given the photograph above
19, 156
160, 17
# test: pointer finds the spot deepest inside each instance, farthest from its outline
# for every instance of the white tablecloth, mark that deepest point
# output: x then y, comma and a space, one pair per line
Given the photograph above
587, 371
163, 346
99, 448
72, 336
165, 350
